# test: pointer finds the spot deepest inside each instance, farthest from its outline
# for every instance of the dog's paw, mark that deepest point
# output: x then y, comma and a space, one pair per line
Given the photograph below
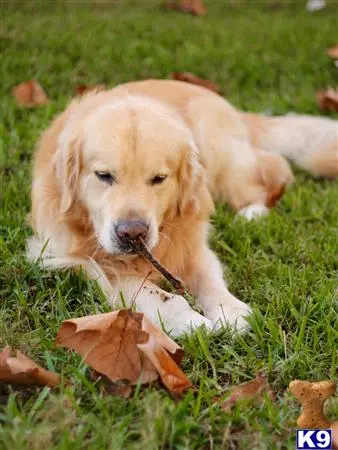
186, 324
254, 211
179, 318
233, 314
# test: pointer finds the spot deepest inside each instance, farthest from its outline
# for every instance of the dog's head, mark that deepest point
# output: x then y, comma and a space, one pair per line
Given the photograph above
133, 165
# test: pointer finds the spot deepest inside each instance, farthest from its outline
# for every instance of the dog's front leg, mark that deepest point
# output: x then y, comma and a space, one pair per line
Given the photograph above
207, 283
171, 311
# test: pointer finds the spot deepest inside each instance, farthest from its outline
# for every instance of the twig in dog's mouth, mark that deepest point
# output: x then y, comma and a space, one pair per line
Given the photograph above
140, 248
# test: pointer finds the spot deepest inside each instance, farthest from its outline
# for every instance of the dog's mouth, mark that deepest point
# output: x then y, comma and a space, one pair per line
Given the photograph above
127, 249
141, 249
131, 247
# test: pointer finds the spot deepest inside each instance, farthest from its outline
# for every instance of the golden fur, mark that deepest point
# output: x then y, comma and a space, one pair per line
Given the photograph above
206, 148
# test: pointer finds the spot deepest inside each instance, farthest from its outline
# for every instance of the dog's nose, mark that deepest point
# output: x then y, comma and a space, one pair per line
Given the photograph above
131, 229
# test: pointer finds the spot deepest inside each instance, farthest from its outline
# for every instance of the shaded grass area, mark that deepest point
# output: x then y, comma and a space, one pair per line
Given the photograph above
284, 265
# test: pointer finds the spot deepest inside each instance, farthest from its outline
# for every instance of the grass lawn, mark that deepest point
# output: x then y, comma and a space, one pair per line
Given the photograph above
285, 265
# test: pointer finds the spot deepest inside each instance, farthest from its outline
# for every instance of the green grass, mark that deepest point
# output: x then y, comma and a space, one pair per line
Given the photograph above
284, 265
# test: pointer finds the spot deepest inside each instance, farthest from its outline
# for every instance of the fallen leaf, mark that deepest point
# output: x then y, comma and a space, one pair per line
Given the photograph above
248, 391
189, 77
124, 345
328, 100
107, 342
82, 89
162, 352
195, 7
333, 52
19, 369
30, 94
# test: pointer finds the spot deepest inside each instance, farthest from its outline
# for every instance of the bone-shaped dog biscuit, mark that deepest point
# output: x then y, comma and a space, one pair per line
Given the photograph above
312, 397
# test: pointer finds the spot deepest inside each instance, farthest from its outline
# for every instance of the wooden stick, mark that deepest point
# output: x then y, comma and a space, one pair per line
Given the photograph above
141, 249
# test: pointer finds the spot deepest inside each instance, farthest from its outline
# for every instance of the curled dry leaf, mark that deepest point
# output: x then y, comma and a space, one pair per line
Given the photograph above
189, 77
248, 391
328, 100
82, 89
165, 355
124, 345
30, 94
16, 368
333, 52
195, 7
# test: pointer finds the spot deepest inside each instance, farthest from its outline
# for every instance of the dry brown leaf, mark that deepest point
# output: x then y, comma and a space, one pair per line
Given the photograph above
248, 391
107, 342
19, 369
195, 7
164, 340
124, 345
328, 100
333, 52
189, 77
82, 89
30, 94
163, 352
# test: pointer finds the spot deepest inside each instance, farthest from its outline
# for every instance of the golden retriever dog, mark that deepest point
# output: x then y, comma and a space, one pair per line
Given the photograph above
148, 159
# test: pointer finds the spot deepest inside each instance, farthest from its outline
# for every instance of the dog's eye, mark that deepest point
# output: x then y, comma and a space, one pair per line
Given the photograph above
158, 179
106, 177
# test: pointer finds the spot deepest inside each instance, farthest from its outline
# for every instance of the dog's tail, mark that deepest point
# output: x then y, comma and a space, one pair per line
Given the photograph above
310, 142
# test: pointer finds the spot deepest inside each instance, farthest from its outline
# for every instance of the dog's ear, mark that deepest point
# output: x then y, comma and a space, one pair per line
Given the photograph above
194, 196
67, 162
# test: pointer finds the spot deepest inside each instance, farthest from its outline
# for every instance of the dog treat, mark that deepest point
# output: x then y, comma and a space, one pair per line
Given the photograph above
312, 397
142, 250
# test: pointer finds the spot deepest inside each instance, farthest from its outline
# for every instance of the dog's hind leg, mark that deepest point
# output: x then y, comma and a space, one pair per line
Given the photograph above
253, 185
239, 173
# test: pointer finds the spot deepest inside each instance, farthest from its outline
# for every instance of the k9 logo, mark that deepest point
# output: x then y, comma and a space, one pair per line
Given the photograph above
314, 439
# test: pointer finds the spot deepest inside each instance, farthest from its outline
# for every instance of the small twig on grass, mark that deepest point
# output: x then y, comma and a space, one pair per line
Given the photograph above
133, 300
141, 249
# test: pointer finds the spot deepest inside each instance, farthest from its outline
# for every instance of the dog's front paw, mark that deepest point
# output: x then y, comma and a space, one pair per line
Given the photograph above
188, 323
231, 313
179, 318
